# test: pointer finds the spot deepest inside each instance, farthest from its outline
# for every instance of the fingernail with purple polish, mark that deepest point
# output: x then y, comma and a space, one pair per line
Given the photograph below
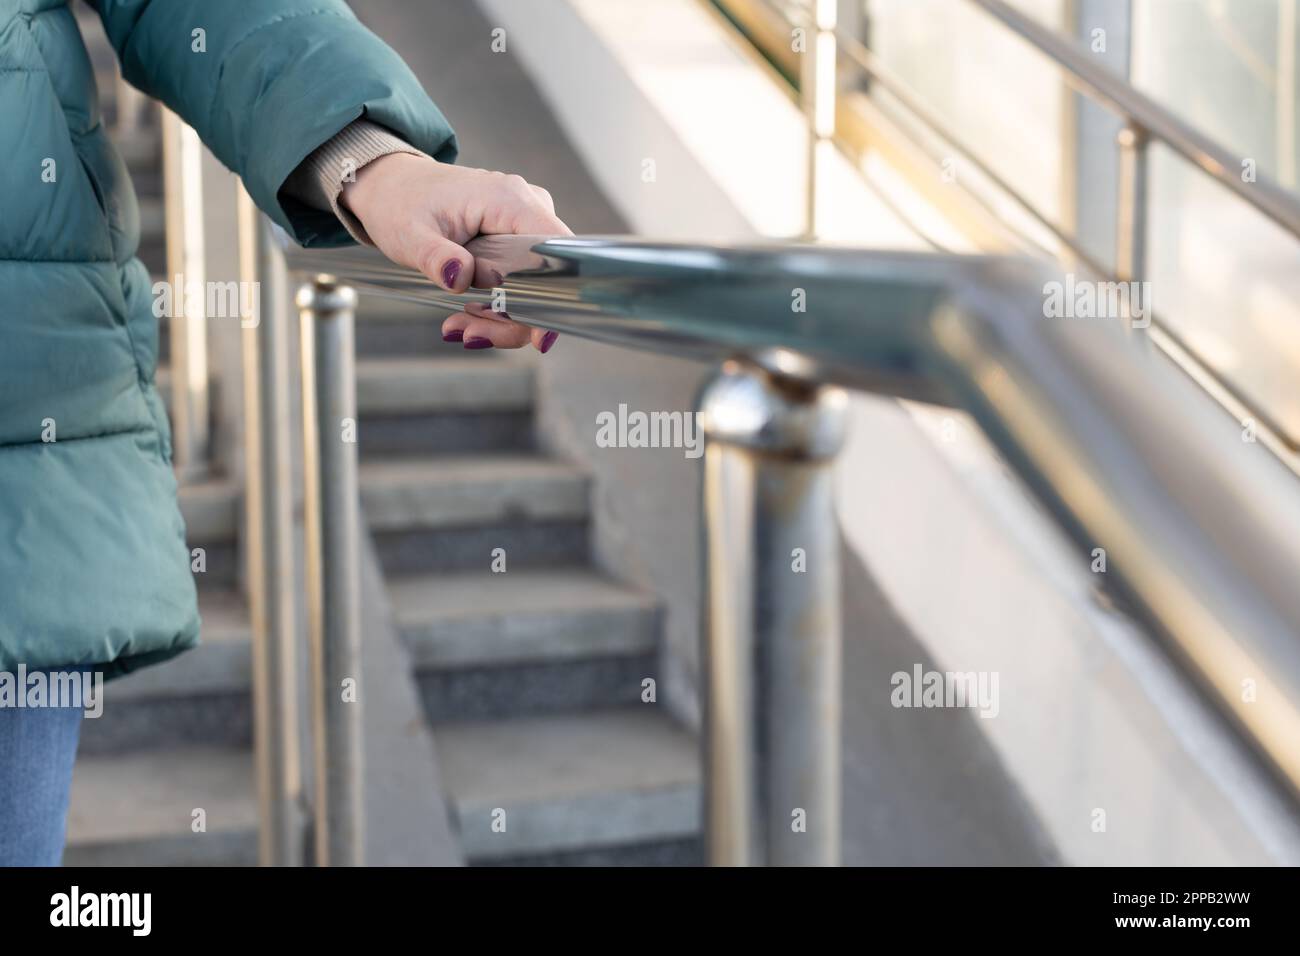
451, 272
478, 343
548, 340
453, 336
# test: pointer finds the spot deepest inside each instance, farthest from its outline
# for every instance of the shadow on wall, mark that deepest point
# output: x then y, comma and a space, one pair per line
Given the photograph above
922, 787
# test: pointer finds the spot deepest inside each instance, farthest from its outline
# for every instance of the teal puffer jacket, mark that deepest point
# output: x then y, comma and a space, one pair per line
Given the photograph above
94, 568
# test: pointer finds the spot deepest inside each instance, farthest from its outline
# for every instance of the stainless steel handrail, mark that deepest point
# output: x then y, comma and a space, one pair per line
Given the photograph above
1201, 529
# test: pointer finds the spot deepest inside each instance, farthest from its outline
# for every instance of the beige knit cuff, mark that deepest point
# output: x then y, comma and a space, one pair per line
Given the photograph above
318, 180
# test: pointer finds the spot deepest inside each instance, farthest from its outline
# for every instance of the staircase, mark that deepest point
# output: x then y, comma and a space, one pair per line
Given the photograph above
531, 676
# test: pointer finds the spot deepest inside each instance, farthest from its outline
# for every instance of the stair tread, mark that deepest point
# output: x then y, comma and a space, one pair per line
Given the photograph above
222, 663
465, 619
409, 384
153, 216
530, 759
210, 507
427, 597
225, 616
455, 468
142, 148
110, 804
570, 782
467, 490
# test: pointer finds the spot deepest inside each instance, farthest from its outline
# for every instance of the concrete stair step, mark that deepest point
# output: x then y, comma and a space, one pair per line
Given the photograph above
156, 273
475, 619
461, 433
162, 380
153, 253
464, 491
453, 512
425, 550
142, 150
404, 385
202, 696
220, 665
165, 382
153, 219
605, 780
211, 509
398, 328
139, 809
373, 307
442, 405
529, 641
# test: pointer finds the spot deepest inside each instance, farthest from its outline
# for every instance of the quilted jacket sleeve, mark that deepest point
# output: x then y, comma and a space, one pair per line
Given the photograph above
265, 82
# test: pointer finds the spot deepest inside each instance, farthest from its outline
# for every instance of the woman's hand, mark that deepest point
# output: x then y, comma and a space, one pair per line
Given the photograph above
420, 213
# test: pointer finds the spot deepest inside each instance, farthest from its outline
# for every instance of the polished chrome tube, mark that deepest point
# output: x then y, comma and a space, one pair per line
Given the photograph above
819, 65
333, 532
772, 624
268, 500
186, 271
1131, 243
1202, 530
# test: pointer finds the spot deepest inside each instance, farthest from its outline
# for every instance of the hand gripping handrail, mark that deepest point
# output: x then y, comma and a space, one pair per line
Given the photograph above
1201, 529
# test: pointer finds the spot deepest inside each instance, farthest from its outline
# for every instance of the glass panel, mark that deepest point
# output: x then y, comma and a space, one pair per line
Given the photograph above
1228, 69
995, 93
1227, 281
1224, 278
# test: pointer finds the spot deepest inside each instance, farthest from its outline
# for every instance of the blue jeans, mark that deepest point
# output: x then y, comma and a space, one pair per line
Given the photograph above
37, 748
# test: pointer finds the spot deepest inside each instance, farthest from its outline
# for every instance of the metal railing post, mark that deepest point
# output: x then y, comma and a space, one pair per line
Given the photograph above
326, 313
772, 624
268, 497
183, 209
1131, 243
818, 93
